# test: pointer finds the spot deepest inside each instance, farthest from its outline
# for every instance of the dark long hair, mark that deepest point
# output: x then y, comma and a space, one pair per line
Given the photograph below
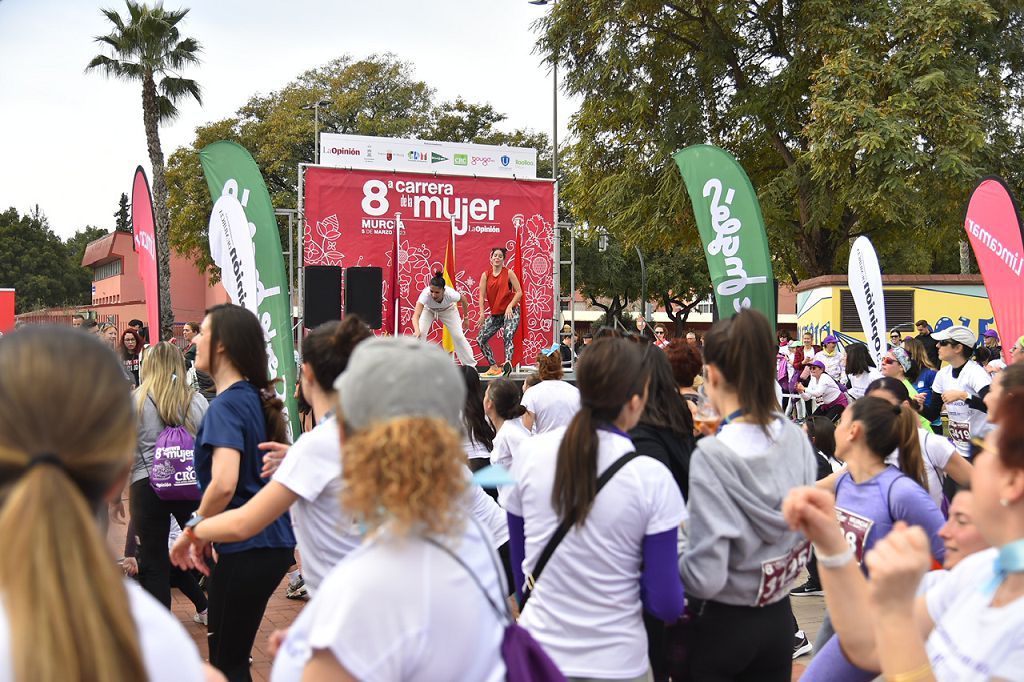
328, 347
743, 350
822, 432
608, 375
888, 427
665, 408
478, 428
237, 330
507, 398
858, 360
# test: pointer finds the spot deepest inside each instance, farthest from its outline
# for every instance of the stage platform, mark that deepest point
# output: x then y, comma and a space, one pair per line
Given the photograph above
519, 376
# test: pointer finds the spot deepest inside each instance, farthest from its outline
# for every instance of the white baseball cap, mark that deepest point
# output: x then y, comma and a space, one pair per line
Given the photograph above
957, 333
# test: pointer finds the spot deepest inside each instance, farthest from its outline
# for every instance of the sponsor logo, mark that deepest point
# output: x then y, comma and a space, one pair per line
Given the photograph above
461, 159
506, 160
389, 155
344, 151
417, 156
524, 162
482, 161
437, 158
369, 154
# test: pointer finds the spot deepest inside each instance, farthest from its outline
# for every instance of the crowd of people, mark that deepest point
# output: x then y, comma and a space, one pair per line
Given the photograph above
649, 520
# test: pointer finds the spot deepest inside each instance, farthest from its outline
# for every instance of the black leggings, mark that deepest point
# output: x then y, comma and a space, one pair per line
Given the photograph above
151, 517
189, 586
741, 643
239, 588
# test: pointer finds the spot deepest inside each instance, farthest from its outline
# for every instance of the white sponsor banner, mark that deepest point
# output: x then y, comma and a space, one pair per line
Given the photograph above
425, 156
232, 249
865, 280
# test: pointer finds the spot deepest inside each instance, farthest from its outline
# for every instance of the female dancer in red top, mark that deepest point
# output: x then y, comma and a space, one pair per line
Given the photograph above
500, 287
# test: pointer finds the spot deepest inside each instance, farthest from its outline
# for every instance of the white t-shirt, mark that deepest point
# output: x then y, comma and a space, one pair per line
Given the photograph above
312, 470
168, 653
823, 389
401, 609
964, 422
552, 403
450, 298
936, 451
859, 382
507, 440
483, 507
475, 450
835, 364
972, 640
585, 609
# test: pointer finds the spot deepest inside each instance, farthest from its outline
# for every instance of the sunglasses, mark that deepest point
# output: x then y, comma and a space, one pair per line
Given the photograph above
660, 332
945, 342
889, 361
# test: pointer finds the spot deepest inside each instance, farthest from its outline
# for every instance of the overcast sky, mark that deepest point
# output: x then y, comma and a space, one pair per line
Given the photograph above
70, 141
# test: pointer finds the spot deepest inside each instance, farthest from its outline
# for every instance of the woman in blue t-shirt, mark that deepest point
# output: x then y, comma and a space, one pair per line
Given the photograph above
246, 412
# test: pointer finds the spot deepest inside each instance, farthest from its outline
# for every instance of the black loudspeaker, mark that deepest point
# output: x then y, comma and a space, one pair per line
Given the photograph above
322, 295
363, 287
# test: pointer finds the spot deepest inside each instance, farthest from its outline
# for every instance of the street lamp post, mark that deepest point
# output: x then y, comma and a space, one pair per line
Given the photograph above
315, 106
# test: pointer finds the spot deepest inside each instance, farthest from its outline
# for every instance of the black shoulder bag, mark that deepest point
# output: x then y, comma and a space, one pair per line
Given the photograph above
564, 527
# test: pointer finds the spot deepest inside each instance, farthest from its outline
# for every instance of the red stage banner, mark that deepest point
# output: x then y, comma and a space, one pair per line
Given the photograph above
993, 226
143, 228
355, 218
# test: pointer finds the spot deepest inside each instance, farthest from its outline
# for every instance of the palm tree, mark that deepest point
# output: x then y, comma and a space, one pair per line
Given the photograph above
148, 49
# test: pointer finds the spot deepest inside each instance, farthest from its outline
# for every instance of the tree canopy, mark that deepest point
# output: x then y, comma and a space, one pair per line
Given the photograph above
45, 271
608, 274
851, 117
378, 96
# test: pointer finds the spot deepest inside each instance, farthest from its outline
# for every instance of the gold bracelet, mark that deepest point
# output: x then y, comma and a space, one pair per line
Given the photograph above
922, 673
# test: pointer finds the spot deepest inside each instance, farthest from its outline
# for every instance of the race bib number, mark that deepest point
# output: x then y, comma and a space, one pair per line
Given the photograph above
960, 432
779, 573
855, 530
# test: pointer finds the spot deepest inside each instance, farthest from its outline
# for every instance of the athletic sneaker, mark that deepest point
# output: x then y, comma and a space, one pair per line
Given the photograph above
297, 590
506, 369
492, 372
808, 589
800, 645
200, 618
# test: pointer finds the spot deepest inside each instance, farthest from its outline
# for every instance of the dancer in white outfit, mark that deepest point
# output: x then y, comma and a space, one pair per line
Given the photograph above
437, 302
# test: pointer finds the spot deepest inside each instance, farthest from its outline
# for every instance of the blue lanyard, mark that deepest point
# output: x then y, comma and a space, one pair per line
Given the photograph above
610, 428
1009, 560
738, 413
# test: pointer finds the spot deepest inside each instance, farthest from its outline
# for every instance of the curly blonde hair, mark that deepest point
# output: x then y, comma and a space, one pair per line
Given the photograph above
410, 471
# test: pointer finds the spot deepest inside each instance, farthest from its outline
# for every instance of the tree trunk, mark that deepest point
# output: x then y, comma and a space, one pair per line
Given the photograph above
151, 121
965, 257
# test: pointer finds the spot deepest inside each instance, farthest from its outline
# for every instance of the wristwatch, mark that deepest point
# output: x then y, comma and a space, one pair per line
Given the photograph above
190, 525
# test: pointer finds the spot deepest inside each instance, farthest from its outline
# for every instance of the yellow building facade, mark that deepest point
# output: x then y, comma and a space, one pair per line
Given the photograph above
825, 306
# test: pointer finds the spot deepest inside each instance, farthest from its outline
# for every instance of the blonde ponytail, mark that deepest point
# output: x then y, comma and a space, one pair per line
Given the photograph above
66, 439
67, 606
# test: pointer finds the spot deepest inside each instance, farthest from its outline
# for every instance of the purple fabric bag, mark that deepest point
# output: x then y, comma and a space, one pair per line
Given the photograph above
173, 474
525, 660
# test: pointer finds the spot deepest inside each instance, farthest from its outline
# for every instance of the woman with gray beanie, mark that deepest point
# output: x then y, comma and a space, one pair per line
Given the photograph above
403, 605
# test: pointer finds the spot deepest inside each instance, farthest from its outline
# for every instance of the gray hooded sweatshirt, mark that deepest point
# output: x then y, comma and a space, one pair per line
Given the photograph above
739, 549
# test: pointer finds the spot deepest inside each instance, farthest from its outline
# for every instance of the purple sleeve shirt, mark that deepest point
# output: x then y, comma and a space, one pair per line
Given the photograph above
887, 498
